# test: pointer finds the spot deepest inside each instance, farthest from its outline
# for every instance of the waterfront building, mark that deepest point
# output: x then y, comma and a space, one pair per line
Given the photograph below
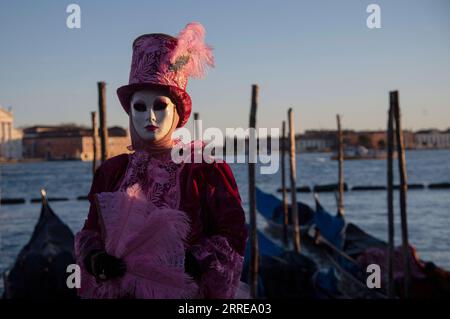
432, 139
316, 141
70, 142
10, 138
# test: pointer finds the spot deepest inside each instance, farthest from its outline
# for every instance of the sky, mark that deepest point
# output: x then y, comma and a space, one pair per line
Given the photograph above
318, 57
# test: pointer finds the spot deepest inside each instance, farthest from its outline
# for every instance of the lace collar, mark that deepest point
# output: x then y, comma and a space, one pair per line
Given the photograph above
158, 177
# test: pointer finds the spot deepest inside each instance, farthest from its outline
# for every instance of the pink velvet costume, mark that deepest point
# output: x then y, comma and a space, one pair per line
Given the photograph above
209, 196
149, 210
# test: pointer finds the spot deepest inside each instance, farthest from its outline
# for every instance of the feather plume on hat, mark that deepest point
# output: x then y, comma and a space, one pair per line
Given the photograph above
192, 55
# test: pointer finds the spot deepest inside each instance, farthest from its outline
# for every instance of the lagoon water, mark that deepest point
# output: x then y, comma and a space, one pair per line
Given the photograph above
428, 210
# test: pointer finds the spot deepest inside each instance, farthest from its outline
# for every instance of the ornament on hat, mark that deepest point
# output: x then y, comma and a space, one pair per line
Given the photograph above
192, 54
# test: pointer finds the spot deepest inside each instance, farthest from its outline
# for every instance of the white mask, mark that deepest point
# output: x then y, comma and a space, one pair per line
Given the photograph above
152, 114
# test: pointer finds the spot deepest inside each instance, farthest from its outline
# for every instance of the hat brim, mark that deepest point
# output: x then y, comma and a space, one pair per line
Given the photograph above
181, 98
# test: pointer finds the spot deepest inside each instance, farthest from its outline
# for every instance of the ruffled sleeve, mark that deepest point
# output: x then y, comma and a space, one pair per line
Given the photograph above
90, 238
219, 252
107, 178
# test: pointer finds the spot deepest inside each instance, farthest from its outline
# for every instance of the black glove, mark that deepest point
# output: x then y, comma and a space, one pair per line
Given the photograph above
191, 265
103, 266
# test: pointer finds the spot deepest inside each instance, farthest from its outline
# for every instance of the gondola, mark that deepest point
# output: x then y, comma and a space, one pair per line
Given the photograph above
40, 269
282, 273
335, 244
312, 274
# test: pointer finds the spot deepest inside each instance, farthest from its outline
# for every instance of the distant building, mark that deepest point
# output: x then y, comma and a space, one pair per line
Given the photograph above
371, 139
326, 140
315, 141
10, 138
70, 142
432, 139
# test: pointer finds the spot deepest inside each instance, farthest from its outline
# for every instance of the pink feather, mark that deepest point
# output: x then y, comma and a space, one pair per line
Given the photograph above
192, 54
151, 241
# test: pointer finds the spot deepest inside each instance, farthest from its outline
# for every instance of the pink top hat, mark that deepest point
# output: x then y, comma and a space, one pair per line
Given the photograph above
163, 62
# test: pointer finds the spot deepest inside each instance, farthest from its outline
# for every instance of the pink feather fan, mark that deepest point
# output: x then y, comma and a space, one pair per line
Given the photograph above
192, 54
151, 242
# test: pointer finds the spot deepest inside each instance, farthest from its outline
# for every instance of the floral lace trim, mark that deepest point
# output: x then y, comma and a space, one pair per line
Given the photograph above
221, 266
158, 178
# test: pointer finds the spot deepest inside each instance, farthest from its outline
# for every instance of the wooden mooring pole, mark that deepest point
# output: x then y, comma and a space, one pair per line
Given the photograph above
254, 256
103, 127
341, 167
390, 200
94, 141
196, 126
293, 174
403, 191
283, 186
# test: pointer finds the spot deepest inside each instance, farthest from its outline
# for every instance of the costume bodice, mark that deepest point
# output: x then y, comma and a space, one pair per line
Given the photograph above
157, 176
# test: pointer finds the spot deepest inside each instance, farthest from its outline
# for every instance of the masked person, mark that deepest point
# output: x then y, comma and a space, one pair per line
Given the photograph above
158, 228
